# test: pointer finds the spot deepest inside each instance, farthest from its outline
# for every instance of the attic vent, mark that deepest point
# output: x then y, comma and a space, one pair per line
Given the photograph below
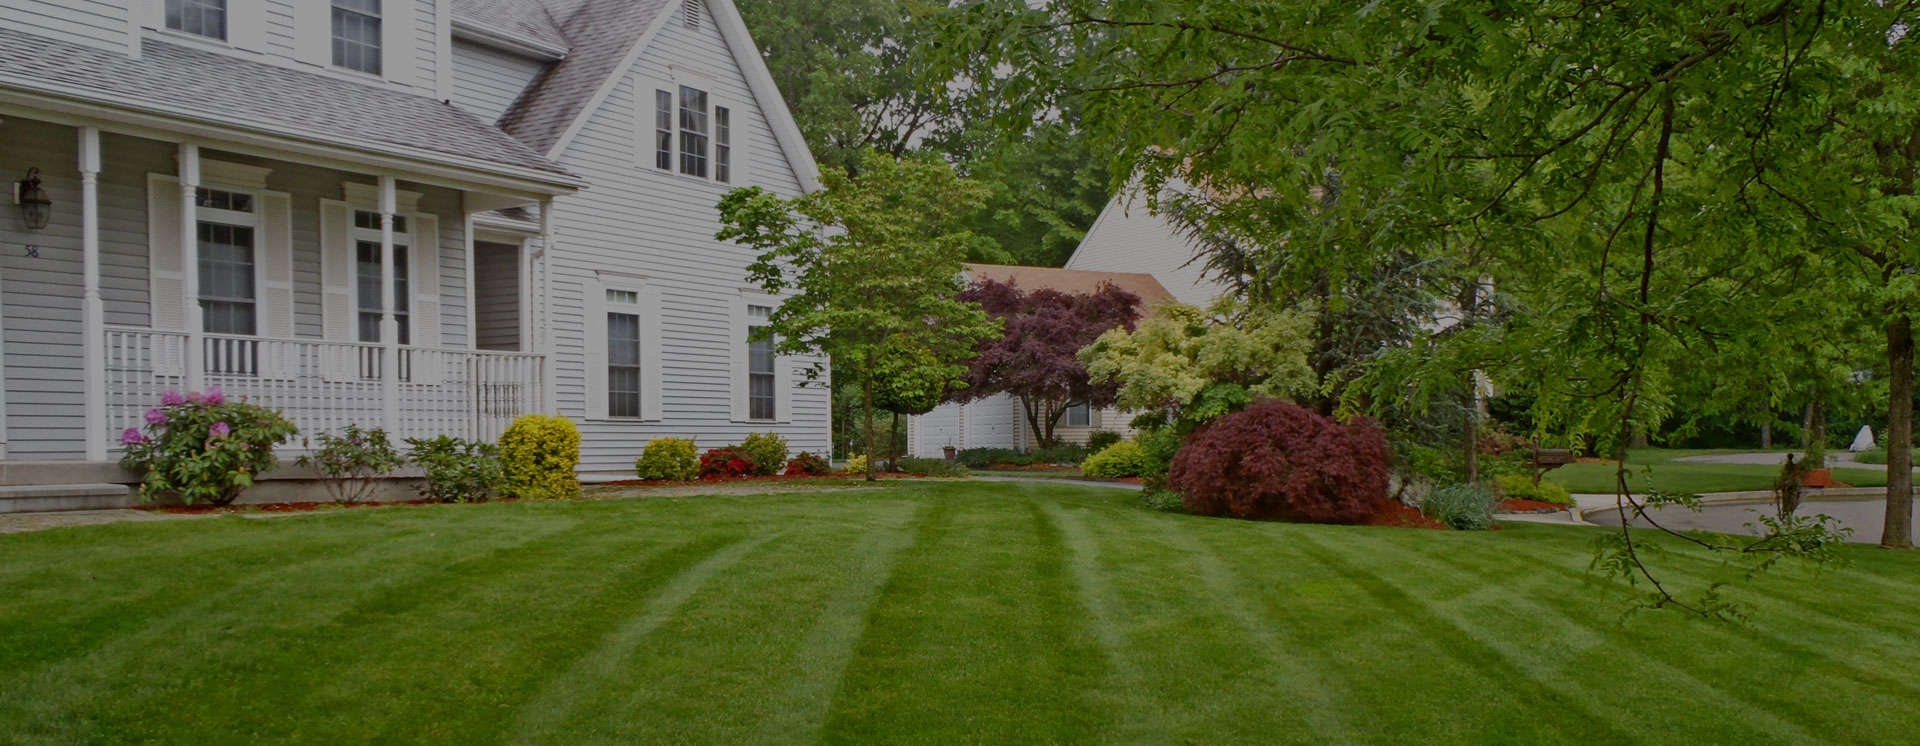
690, 13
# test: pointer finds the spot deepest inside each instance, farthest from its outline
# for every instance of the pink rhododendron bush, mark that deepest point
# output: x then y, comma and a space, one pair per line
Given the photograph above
204, 448
1276, 460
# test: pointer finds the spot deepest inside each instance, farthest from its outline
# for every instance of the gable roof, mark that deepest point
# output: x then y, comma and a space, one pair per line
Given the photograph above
605, 38
1074, 281
599, 35
523, 19
171, 80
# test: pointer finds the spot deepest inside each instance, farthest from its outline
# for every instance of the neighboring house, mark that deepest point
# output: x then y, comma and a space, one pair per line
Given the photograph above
1000, 421
425, 215
1128, 237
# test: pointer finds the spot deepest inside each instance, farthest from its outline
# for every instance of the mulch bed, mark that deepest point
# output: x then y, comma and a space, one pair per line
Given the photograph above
1529, 506
1397, 515
776, 479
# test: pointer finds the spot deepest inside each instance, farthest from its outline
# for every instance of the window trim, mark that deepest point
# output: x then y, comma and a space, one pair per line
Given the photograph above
740, 387
381, 58
597, 357
235, 218
357, 234
1066, 414
226, 23
647, 126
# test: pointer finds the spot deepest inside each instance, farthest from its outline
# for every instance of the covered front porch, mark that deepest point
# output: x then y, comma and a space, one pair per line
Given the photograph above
340, 292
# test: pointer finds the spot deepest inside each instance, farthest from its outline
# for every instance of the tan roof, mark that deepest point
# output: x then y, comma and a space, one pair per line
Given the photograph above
1076, 281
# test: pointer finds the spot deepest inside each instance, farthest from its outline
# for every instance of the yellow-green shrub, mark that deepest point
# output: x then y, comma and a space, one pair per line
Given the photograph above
767, 451
856, 464
1521, 487
670, 459
1117, 461
538, 454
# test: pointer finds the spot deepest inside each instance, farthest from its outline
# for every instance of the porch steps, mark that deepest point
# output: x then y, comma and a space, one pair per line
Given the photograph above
39, 498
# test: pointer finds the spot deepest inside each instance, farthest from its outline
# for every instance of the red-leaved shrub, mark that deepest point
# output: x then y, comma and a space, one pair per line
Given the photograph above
1280, 461
725, 463
808, 465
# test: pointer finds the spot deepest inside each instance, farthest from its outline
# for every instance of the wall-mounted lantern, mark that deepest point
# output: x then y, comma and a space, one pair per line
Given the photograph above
35, 207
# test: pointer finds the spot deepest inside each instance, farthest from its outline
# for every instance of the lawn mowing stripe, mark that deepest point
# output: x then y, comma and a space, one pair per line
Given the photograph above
798, 713
1419, 701
1136, 721
553, 705
1273, 642
1590, 639
1554, 605
191, 633
1474, 649
1768, 605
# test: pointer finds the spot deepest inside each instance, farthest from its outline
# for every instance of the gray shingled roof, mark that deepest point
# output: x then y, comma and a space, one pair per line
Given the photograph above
599, 34
523, 17
176, 80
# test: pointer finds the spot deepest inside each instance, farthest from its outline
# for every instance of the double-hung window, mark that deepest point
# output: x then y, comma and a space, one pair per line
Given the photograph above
368, 263
229, 298
1079, 415
761, 404
356, 35
623, 353
693, 132
722, 144
206, 18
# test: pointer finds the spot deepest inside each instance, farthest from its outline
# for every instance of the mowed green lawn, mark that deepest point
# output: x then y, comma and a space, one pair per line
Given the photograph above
1655, 468
932, 613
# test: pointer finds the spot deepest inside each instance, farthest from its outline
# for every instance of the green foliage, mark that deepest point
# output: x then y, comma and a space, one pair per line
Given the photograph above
986, 458
1196, 366
1521, 487
1163, 500
1878, 455
865, 266
204, 447
457, 471
538, 455
669, 460
808, 465
932, 467
857, 464
1099, 441
1468, 507
352, 462
909, 380
767, 452
1120, 460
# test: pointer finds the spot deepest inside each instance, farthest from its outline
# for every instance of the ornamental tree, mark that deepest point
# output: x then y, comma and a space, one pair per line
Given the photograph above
865, 265
1187, 367
1037, 359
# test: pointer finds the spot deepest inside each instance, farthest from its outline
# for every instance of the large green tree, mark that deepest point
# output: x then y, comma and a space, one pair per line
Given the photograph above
867, 266
1631, 171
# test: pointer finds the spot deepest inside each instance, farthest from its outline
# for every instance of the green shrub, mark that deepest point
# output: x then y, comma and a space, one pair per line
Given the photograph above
856, 464
538, 455
203, 448
1163, 500
458, 471
352, 462
668, 460
1099, 441
1521, 487
1879, 455
981, 458
1468, 507
767, 452
1117, 461
1158, 445
1066, 455
932, 467
985, 458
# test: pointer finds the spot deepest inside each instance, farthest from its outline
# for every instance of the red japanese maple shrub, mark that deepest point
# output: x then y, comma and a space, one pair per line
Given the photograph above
725, 463
1276, 460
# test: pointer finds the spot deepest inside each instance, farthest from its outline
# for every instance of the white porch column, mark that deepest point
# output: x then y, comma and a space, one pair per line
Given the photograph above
389, 325
548, 400
190, 265
93, 316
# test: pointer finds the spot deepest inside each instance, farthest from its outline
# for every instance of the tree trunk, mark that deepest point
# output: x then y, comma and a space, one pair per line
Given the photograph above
1472, 442
1898, 533
1766, 436
1817, 434
893, 443
866, 393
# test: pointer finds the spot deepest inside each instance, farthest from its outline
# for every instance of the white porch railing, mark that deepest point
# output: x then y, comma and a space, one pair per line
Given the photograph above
325, 386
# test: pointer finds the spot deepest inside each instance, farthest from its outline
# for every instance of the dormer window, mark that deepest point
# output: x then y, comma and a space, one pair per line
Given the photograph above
206, 18
356, 35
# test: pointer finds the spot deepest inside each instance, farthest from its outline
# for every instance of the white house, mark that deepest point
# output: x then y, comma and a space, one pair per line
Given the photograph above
1000, 421
1129, 237
425, 215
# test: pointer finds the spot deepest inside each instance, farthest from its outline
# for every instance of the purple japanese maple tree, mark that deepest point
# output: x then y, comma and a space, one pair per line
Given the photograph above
1036, 358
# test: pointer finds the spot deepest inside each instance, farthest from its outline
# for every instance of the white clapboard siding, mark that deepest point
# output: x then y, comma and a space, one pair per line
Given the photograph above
641, 221
1128, 237
102, 25
486, 81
